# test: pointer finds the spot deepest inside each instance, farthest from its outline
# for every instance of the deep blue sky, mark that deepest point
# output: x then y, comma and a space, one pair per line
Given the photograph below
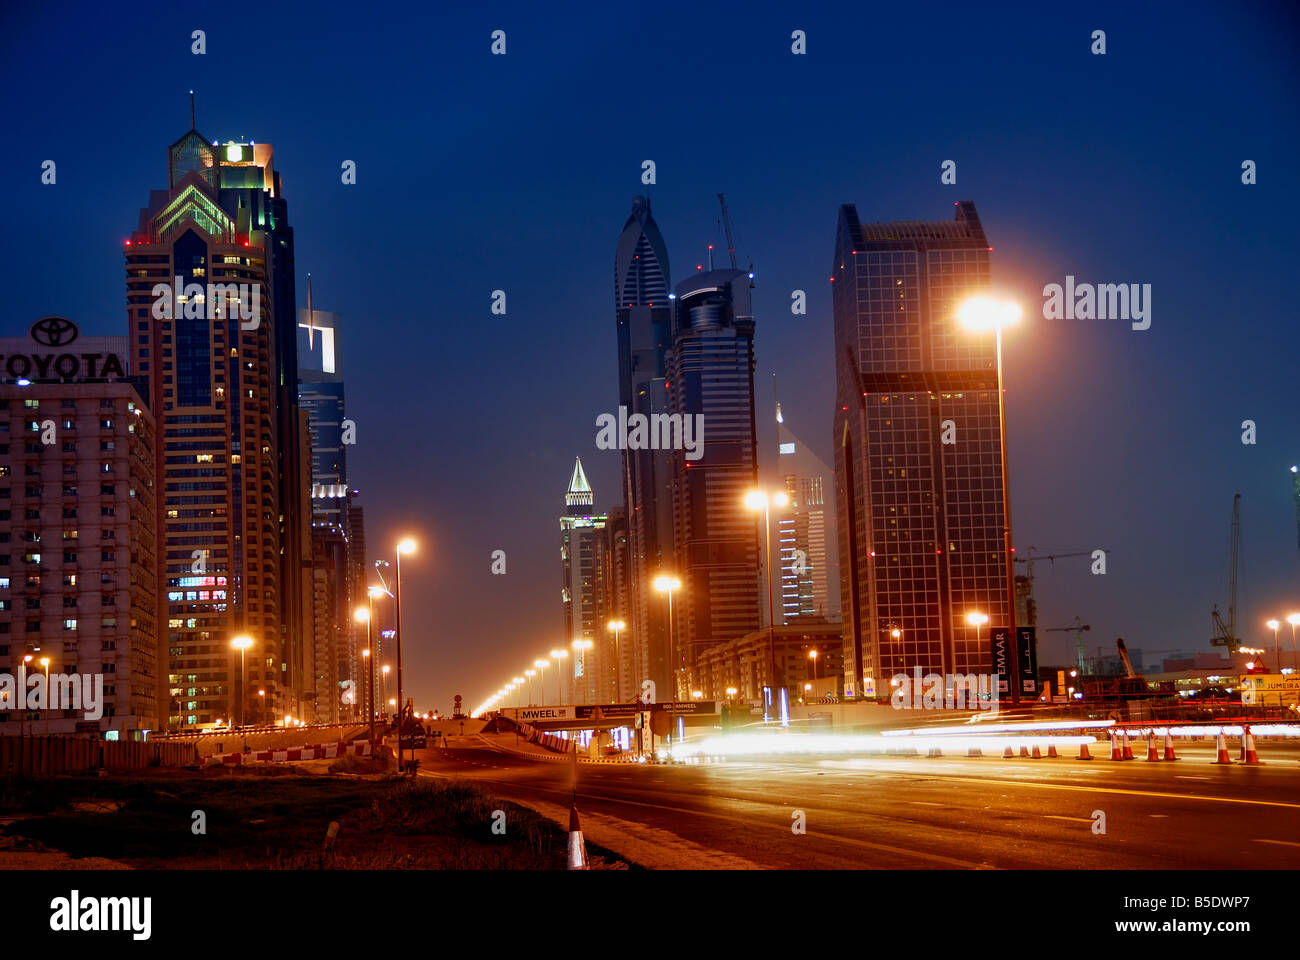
479, 172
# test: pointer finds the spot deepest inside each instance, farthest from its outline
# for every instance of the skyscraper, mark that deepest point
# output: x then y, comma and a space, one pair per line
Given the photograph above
583, 588
711, 377
803, 585
642, 312
210, 297
918, 465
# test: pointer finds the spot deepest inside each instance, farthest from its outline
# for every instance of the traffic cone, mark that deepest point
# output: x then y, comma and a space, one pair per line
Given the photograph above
1037, 754
1083, 751
1152, 752
1128, 750
1115, 753
1169, 747
577, 849
1248, 746
1008, 752
935, 752
1223, 750
974, 752
1051, 752
1024, 750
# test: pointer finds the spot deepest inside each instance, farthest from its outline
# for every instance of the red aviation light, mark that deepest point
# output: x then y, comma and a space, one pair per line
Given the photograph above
128, 243
873, 553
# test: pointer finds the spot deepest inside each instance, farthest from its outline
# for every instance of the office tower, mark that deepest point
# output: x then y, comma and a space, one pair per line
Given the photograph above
711, 378
918, 464
803, 569
338, 541
78, 529
642, 310
582, 587
210, 297
615, 650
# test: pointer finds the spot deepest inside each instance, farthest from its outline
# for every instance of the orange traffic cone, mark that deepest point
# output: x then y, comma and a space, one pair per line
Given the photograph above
1007, 752
1115, 753
1083, 751
1248, 745
1223, 750
1128, 750
1152, 752
1169, 747
974, 752
1037, 755
1024, 750
1051, 751
577, 849
935, 752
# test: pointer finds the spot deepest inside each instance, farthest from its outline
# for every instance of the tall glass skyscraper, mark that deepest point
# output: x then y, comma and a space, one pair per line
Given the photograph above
643, 316
711, 376
210, 294
918, 465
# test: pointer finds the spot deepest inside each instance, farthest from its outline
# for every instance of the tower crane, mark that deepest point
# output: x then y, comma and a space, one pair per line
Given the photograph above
1225, 635
1052, 557
1079, 629
726, 225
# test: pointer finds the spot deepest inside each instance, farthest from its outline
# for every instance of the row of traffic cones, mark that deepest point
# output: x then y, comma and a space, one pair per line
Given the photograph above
1120, 749
1249, 755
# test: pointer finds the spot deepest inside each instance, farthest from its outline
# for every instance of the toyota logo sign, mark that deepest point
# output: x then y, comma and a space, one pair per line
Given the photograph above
54, 331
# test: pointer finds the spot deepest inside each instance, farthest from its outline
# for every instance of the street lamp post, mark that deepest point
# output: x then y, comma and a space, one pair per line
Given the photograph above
1293, 619
45, 662
977, 620
519, 683
364, 615
404, 546
540, 664
981, 313
667, 584
755, 500
580, 648
530, 674
557, 656
1274, 625
616, 626
242, 643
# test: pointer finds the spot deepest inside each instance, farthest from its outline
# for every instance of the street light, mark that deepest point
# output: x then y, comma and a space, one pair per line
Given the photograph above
812, 655
617, 626
518, 682
580, 648
557, 656
977, 620
45, 662
756, 500
1293, 619
984, 313
666, 584
383, 686
406, 545
261, 704
540, 664
242, 643
530, 674
1273, 625
363, 615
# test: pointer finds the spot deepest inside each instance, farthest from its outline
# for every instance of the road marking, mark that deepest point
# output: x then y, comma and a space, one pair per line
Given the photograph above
926, 803
1052, 816
1193, 778
1284, 843
1158, 816
1133, 793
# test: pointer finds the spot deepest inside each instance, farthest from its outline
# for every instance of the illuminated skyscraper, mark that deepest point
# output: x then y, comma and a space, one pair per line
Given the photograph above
583, 587
711, 379
210, 295
643, 315
918, 465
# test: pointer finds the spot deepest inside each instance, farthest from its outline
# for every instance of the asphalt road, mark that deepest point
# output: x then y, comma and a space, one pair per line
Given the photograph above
916, 812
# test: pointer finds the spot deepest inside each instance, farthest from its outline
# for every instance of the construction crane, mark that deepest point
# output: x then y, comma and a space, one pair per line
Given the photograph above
1029, 570
726, 225
1225, 635
1079, 629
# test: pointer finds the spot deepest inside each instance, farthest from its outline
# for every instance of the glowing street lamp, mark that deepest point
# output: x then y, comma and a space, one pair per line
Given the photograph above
977, 620
557, 656
45, 662
404, 546
988, 313
540, 664
1293, 619
518, 683
242, 643
530, 674
617, 626
365, 615
668, 584
757, 500
812, 655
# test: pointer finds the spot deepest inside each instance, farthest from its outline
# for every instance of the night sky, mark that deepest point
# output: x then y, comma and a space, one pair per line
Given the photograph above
478, 172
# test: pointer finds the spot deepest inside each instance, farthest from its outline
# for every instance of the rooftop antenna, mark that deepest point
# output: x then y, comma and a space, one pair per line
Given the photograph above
192, 126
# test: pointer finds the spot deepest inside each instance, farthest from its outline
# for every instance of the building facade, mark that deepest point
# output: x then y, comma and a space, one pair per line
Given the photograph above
643, 317
585, 565
918, 464
78, 537
210, 309
711, 379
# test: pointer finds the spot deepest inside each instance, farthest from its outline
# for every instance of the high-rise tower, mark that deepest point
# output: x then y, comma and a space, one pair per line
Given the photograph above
583, 588
210, 308
918, 465
643, 316
711, 378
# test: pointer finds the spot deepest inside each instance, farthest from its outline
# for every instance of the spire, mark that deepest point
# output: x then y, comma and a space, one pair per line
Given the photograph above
192, 126
579, 494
